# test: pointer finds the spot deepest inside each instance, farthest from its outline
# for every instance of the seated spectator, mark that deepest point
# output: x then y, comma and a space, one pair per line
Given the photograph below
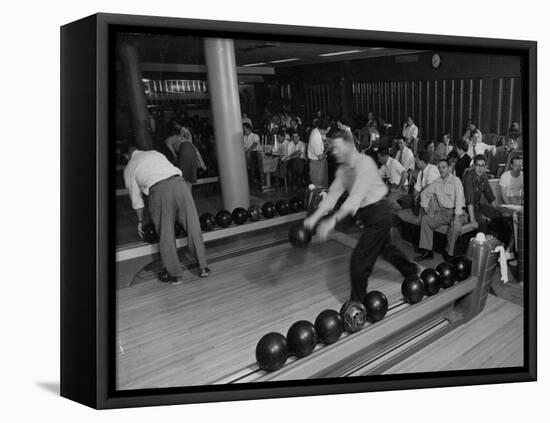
405, 156
281, 142
515, 133
453, 159
476, 184
442, 204
427, 173
395, 175
435, 157
410, 134
369, 137
479, 147
464, 160
445, 146
511, 183
498, 162
470, 130
295, 158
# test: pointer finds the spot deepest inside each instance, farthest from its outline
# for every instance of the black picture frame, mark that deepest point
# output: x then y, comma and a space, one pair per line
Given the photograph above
87, 243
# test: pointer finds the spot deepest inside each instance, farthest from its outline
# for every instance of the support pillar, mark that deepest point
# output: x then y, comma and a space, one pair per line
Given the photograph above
136, 97
226, 111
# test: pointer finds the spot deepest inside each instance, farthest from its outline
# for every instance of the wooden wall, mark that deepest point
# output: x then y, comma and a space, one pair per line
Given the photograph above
483, 87
440, 105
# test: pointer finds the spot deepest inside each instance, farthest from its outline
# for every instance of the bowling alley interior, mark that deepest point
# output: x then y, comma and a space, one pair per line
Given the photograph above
246, 125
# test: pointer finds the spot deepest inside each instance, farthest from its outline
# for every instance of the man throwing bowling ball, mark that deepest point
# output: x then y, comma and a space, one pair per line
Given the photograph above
170, 200
358, 175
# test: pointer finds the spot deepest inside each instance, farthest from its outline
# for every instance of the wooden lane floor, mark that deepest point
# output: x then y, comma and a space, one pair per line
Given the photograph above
201, 331
492, 339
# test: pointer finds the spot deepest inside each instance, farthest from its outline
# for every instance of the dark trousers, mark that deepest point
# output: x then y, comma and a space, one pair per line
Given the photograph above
296, 171
170, 201
374, 241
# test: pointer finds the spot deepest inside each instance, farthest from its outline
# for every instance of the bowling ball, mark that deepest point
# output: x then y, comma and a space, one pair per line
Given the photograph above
354, 315
207, 221
413, 289
448, 274
295, 204
223, 218
301, 338
298, 236
431, 280
376, 304
282, 207
255, 212
268, 210
463, 267
329, 326
149, 233
272, 351
239, 215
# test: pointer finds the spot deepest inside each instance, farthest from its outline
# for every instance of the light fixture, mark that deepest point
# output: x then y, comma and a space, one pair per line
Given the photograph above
341, 52
254, 64
285, 60
377, 48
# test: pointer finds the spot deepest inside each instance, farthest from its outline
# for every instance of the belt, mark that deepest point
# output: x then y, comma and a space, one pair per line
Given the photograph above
379, 202
162, 180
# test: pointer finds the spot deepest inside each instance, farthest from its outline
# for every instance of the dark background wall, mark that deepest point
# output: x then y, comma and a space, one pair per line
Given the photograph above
483, 87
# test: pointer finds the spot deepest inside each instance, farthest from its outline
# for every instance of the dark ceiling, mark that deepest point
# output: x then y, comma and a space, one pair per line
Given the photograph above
155, 48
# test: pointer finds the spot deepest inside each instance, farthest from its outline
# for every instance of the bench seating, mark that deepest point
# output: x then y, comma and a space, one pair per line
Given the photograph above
410, 231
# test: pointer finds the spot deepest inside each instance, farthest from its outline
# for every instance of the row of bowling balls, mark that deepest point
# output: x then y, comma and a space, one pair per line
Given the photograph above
241, 215
430, 281
273, 349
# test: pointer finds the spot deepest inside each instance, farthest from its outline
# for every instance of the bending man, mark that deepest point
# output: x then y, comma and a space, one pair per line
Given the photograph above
170, 200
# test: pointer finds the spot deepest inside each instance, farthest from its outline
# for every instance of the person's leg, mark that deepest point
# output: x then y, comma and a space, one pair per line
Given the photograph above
364, 255
374, 240
163, 212
324, 179
315, 172
189, 219
454, 232
397, 258
427, 225
300, 170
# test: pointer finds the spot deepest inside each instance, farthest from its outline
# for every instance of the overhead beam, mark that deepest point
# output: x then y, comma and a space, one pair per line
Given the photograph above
183, 68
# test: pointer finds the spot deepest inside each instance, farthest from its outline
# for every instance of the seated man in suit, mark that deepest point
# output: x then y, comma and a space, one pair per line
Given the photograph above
442, 204
476, 184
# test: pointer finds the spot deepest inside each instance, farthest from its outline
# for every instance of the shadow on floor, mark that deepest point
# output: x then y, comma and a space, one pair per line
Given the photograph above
51, 387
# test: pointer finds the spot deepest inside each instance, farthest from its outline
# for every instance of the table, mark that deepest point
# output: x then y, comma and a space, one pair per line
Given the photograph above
268, 164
